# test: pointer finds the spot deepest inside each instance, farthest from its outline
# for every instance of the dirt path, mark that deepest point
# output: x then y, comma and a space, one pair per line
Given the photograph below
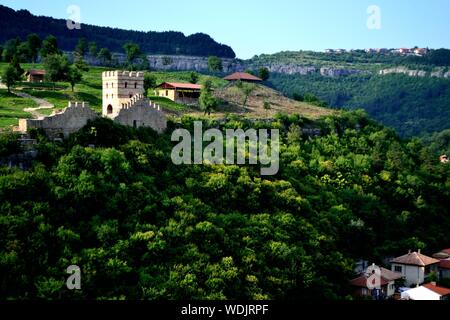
42, 104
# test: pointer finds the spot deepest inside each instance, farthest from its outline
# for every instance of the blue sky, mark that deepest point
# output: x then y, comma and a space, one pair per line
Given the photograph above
260, 26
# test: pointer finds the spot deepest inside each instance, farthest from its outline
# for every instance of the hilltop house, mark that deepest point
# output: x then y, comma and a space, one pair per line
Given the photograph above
184, 93
387, 283
414, 267
35, 75
242, 76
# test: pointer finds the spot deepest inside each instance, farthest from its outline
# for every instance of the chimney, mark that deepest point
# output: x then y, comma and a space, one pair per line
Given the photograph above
433, 283
409, 252
419, 251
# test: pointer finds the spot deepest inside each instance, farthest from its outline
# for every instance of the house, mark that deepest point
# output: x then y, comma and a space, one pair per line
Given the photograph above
420, 51
429, 291
443, 159
414, 267
35, 75
387, 283
242, 76
444, 263
184, 93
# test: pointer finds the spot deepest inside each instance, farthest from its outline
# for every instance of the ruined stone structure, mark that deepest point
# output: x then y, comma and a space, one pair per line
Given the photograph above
123, 102
62, 124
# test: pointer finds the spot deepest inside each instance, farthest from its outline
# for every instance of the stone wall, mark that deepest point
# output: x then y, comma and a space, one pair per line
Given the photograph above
143, 113
70, 120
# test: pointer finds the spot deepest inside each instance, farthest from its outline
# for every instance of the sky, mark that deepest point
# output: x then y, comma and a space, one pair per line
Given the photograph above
253, 27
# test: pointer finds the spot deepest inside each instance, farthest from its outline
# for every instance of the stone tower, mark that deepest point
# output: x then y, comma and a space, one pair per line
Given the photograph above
119, 87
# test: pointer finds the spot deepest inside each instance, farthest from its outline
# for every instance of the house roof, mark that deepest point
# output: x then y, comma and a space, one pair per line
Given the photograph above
439, 290
242, 76
180, 85
36, 72
447, 251
444, 264
390, 275
386, 277
415, 259
421, 293
361, 281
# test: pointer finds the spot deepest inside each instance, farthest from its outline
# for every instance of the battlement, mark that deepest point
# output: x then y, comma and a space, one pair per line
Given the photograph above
122, 74
75, 104
139, 99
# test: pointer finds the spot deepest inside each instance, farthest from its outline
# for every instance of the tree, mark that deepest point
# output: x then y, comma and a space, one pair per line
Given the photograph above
82, 48
17, 68
247, 89
104, 55
49, 46
57, 68
267, 106
10, 49
207, 101
133, 51
1, 52
149, 83
264, 74
93, 49
193, 77
215, 64
74, 76
34, 44
9, 77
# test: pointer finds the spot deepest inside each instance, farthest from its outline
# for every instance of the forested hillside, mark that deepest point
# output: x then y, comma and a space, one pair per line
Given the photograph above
142, 228
21, 23
411, 105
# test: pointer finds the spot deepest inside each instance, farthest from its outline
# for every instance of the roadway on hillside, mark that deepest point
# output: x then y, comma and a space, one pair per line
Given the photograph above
42, 104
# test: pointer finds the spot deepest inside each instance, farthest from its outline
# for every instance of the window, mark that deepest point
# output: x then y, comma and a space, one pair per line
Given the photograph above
109, 110
107, 96
112, 96
398, 269
134, 124
167, 93
135, 85
131, 96
126, 84
107, 86
112, 85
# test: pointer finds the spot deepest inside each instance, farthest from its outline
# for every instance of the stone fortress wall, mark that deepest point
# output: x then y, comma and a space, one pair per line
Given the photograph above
64, 123
123, 102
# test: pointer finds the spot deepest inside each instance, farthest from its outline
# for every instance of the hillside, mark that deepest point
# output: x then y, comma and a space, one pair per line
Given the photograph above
21, 23
409, 94
143, 228
90, 90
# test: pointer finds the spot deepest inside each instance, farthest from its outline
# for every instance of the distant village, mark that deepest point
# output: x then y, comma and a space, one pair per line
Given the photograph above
420, 52
413, 276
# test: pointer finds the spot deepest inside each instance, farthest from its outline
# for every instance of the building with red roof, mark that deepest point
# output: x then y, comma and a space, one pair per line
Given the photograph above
414, 267
386, 282
242, 76
35, 75
180, 92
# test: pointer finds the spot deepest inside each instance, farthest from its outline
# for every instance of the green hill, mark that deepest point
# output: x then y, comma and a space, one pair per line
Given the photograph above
90, 90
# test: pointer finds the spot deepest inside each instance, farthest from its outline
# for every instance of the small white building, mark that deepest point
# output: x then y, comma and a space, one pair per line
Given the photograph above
428, 292
414, 267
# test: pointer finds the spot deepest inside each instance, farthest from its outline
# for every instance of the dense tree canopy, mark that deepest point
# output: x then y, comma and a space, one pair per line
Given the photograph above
142, 228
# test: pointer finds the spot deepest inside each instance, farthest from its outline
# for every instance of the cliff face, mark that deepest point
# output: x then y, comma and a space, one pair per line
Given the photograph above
184, 63
439, 73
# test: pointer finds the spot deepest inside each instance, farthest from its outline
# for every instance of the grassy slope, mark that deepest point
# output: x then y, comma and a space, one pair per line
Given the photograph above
90, 90
11, 108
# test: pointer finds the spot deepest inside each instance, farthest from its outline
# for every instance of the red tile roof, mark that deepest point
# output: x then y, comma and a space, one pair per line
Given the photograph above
36, 72
446, 251
180, 85
444, 264
362, 282
439, 290
415, 259
242, 76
